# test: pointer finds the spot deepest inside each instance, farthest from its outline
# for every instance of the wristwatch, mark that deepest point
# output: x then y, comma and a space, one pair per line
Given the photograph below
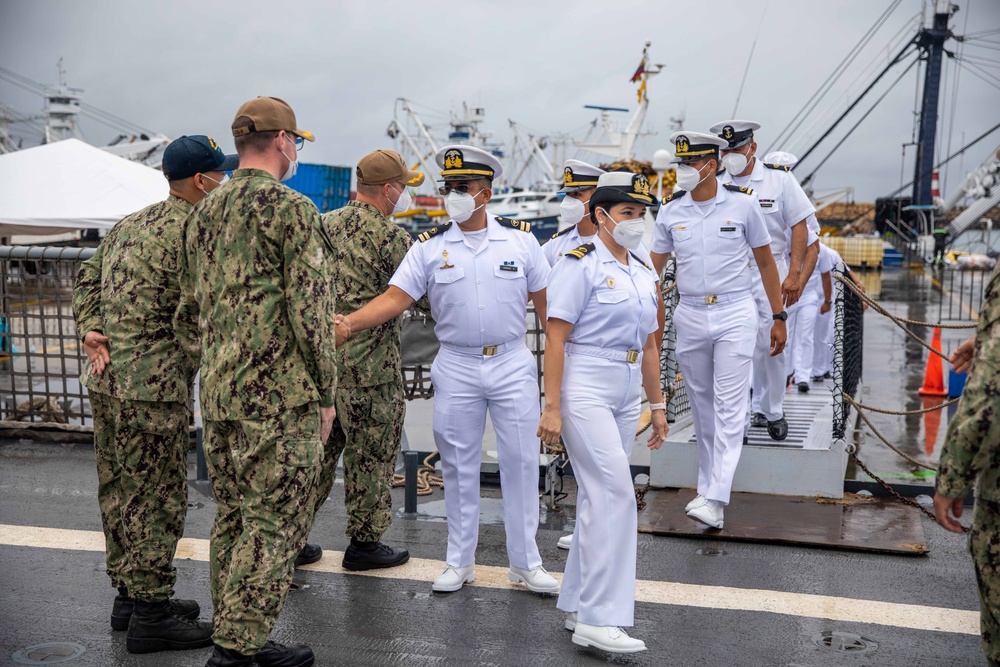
780, 316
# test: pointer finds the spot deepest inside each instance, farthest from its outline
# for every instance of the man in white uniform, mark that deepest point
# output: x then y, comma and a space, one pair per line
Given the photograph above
479, 272
785, 207
579, 183
713, 229
817, 299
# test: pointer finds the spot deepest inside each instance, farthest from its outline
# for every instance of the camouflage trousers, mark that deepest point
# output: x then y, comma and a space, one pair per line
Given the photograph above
984, 543
368, 431
141, 451
264, 473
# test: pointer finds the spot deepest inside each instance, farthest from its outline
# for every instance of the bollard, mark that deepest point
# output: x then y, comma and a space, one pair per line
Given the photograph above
200, 449
411, 461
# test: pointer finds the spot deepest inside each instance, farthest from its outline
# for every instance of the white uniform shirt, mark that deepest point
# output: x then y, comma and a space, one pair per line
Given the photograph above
782, 201
478, 296
712, 246
566, 240
824, 264
610, 306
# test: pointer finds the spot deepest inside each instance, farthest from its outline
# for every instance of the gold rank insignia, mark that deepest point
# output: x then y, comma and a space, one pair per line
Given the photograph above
738, 188
211, 142
453, 159
611, 283
446, 265
580, 251
514, 224
423, 237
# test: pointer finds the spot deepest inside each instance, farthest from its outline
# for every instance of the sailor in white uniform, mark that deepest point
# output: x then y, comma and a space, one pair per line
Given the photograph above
785, 207
479, 272
816, 299
713, 229
600, 353
579, 183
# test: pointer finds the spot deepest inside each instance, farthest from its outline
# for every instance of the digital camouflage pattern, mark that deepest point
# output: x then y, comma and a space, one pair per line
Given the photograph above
130, 290
368, 431
264, 474
369, 248
257, 284
971, 458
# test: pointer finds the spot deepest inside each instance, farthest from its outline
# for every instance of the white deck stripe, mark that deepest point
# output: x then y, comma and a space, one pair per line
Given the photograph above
916, 617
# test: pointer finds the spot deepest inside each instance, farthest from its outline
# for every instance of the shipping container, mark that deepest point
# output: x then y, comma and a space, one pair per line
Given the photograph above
327, 186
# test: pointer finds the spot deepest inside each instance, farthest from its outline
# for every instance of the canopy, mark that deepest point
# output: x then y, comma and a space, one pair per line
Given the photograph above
69, 185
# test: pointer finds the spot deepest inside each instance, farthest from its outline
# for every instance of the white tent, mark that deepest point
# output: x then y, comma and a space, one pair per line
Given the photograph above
70, 185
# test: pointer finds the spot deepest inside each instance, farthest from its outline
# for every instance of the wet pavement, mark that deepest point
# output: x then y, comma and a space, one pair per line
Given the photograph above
739, 604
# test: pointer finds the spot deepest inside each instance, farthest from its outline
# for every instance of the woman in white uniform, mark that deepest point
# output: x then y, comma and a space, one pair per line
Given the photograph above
600, 354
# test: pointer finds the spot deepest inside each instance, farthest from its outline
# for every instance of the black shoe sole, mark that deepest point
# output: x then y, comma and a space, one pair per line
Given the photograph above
358, 567
299, 562
153, 645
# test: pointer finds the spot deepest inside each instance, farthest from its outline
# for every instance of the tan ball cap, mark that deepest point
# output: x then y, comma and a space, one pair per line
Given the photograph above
269, 114
385, 166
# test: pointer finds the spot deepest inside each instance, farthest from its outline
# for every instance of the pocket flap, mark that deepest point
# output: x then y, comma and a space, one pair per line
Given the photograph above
612, 296
446, 276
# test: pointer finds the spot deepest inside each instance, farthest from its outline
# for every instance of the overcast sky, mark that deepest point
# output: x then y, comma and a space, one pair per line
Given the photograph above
185, 67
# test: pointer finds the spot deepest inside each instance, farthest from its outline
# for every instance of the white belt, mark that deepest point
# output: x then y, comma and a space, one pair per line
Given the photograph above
485, 350
711, 299
631, 356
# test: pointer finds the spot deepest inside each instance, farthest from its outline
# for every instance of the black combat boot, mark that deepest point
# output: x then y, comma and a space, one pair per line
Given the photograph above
272, 654
121, 612
155, 626
309, 554
373, 555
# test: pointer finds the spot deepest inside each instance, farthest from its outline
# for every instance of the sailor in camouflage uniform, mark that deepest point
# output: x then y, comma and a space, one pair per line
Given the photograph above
139, 382
257, 287
370, 404
971, 459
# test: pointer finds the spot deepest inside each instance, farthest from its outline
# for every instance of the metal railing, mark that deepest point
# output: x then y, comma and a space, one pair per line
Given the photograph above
962, 293
41, 357
904, 239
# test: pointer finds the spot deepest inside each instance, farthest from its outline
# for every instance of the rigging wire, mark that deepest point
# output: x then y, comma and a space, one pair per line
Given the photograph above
985, 76
956, 78
746, 71
834, 76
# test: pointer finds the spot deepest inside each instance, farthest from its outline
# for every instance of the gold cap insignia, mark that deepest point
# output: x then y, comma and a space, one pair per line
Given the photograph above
567, 176
727, 132
682, 145
640, 184
211, 142
453, 159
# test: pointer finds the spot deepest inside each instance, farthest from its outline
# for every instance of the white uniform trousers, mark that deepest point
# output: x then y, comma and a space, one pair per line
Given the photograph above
790, 325
805, 333
823, 347
715, 344
465, 387
600, 411
768, 372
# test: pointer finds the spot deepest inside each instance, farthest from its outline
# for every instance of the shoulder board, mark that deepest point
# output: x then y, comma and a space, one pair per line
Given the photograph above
433, 231
639, 259
580, 251
671, 197
514, 224
738, 188
782, 167
559, 232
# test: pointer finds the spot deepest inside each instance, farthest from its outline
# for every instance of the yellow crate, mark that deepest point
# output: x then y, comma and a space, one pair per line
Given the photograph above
858, 252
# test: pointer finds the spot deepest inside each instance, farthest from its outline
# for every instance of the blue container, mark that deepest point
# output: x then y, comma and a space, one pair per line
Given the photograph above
956, 383
327, 186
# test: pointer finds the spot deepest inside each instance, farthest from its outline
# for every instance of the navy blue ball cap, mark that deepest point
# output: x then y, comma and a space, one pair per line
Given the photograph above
195, 154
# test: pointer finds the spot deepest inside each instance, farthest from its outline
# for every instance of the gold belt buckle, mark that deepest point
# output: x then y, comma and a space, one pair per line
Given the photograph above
632, 356
711, 298
489, 350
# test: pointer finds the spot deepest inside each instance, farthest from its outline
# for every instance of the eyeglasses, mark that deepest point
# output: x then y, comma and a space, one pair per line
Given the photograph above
461, 186
298, 141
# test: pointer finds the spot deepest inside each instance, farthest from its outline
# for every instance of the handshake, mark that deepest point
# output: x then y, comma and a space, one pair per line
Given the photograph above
342, 327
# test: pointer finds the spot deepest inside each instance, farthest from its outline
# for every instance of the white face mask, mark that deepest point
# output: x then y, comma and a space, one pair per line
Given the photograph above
735, 163
627, 233
688, 178
461, 205
402, 203
218, 184
293, 165
571, 210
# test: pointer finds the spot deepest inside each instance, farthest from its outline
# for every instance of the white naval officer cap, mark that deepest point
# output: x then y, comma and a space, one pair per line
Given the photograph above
466, 163
690, 146
616, 187
737, 133
579, 175
782, 158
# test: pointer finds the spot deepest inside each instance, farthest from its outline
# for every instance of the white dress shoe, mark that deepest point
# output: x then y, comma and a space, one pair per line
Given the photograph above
698, 501
607, 638
570, 623
453, 578
565, 542
537, 580
709, 514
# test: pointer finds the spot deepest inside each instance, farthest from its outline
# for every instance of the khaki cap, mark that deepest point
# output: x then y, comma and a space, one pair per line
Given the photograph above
385, 166
269, 114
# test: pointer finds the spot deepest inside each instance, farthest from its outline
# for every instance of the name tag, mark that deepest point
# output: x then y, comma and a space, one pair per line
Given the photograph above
766, 203
507, 267
727, 229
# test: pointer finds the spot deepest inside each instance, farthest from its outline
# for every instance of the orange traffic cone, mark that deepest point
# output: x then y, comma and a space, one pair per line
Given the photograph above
934, 375
932, 422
